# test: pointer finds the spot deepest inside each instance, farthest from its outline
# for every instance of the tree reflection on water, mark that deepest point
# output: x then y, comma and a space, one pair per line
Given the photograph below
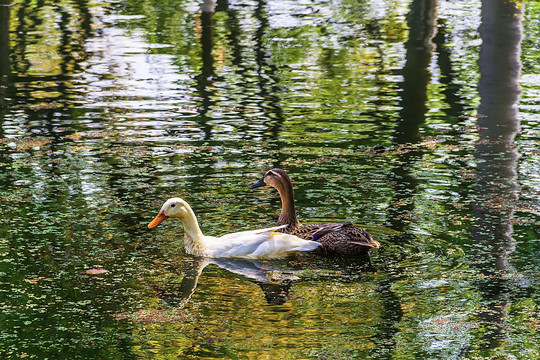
496, 156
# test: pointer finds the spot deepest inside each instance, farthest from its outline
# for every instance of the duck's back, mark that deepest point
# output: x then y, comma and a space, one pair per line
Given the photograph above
336, 238
259, 244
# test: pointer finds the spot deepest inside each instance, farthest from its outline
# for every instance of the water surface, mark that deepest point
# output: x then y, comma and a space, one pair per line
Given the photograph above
108, 109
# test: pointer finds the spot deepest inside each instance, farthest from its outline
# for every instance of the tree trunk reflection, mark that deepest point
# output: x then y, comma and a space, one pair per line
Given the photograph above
496, 156
205, 79
422, 21
5, 67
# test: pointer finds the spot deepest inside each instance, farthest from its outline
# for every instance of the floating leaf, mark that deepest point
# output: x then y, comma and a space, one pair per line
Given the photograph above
96, 271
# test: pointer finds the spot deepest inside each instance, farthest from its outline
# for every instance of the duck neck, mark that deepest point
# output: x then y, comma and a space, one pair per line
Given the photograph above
193, 236
288, 211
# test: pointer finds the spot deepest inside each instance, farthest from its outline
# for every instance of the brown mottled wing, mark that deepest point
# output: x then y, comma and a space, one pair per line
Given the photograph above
337, 238
316, 231
358, 235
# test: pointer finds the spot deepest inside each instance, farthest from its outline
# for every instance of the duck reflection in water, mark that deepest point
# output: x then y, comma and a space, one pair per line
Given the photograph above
275, 282
274, 279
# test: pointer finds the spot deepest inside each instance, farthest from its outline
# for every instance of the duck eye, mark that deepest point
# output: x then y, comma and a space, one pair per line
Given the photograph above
173, 205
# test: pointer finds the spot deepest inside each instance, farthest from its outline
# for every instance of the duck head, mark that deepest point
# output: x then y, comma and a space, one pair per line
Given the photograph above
175, 207
275, 178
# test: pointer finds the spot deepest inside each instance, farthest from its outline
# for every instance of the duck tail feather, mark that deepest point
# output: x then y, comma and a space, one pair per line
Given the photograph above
262, 231
373, 244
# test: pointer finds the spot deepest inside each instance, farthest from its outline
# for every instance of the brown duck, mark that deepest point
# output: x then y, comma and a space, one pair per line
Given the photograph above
336, 238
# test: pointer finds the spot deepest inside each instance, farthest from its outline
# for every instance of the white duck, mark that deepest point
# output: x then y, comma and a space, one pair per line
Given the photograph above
252, 244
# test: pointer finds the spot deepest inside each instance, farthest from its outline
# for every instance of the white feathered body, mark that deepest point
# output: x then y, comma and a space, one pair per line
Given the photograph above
252, 244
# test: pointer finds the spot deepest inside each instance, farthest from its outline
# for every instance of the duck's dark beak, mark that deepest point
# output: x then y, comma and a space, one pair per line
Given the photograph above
259, 183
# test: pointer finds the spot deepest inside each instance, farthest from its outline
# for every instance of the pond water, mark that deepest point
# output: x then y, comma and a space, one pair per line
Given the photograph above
109, 108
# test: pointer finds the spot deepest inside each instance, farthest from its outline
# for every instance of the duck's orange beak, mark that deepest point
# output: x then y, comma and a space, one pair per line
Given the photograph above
161, 217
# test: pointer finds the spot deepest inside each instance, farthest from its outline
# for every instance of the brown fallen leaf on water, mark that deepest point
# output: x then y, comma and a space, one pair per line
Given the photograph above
96, 271
36, 280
